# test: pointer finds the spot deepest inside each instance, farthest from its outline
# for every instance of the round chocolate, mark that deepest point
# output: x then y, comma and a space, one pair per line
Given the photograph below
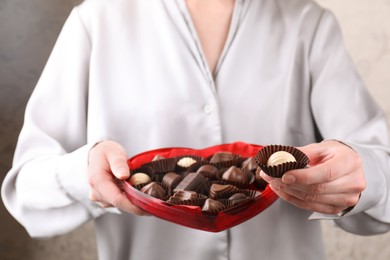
139, 178
235, 175
280, 157
208, 170
154, 189
239, 198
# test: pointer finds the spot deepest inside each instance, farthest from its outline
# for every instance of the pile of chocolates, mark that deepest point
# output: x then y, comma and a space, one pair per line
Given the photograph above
217, 183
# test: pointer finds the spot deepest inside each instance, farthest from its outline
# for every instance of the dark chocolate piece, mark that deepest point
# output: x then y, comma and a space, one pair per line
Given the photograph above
249, 164
171, 180
192, 181
182, 195
239, 198
211, 205
259, 182
235, 175
154, 189
219, 157
208, 170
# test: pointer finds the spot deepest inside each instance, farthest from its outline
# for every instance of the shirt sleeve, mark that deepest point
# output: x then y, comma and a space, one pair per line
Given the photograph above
344, 110
47, 190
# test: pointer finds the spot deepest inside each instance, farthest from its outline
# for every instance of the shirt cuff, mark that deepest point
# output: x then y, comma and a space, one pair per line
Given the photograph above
72, 177
371, 196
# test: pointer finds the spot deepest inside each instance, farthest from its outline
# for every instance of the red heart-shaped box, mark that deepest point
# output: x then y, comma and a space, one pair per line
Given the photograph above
192, 216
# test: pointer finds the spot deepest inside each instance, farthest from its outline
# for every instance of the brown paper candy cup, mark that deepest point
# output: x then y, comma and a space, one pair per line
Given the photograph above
162, 165
259, 182
277, 171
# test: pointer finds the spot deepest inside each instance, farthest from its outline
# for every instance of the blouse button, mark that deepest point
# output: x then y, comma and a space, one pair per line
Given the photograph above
208, 109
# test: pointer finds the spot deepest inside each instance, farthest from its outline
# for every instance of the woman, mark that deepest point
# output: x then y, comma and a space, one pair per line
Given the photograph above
127, 76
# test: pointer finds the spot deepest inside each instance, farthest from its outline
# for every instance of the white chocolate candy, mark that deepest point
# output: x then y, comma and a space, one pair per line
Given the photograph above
279, 158
139, 178
186, 162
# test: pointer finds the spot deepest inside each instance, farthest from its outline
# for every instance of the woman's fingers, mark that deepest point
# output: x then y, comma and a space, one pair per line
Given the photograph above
108, 161
333, 181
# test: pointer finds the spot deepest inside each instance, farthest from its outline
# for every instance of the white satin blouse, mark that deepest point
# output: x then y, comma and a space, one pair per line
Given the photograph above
133, 71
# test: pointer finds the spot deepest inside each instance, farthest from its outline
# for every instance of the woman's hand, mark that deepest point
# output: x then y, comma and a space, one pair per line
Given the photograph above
108, 160
332, 183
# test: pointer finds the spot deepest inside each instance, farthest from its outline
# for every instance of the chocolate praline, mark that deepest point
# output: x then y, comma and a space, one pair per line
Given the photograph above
208, 170
280, 157
213, 206
219, 157
191, 181
183, 195
139, 178
155, 190
234, 174
239, 198
249, 164
186, 162
171, 180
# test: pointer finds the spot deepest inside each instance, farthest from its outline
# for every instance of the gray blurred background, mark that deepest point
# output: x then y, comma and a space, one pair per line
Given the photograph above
28, 30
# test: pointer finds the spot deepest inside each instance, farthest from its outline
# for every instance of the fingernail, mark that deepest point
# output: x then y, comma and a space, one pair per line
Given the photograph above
122, 173
289, 179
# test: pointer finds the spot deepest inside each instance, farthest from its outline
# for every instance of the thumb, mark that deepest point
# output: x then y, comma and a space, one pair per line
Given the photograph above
117, 160
317, 153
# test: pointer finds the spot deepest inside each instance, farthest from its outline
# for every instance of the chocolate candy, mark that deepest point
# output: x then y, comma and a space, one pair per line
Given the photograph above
192, 181
139, 178
222, 191
235, 175
219, 157
239, 198
155, 190
183, 195
208, 170
186, 162
171, 180
259, 182
279, 158
211, 205
249, 164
